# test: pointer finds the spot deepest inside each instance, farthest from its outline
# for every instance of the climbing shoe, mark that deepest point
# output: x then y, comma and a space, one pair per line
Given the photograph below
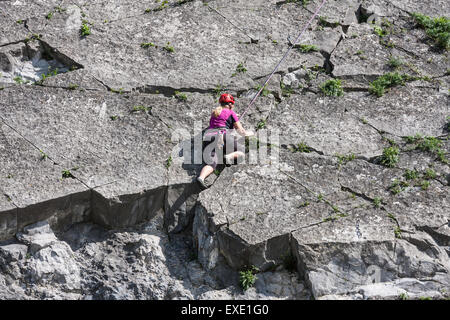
228, 160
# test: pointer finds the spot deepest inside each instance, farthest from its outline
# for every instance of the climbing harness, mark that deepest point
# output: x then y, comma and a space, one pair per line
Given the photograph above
282, 59
219, 132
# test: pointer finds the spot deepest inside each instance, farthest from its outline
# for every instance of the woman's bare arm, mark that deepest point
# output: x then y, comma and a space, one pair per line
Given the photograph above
240, 129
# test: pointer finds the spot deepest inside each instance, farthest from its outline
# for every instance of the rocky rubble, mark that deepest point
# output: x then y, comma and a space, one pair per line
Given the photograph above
89, 262
101, 103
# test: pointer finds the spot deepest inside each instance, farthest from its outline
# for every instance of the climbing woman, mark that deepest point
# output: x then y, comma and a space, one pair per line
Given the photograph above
218, 137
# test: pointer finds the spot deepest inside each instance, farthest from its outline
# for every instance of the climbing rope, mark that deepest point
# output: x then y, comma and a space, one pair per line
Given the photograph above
252, 40
282, 59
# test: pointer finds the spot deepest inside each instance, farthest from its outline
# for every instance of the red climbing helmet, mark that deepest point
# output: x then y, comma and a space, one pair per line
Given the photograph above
226, 98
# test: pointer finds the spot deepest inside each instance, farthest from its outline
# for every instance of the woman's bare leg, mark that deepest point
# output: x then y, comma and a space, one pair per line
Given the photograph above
206, 171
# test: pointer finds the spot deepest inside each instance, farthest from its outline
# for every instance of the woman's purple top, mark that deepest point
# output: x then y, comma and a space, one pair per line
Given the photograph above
226, 119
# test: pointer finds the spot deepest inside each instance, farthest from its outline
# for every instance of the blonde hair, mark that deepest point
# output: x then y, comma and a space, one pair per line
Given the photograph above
216, 112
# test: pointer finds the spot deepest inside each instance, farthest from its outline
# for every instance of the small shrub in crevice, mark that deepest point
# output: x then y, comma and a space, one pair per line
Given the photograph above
377, 202
305, 48
85, 30
147, 45
286, 91
332, 87
265, 92
398, 186
239, 69
247, 277
410, 174
424, 185
140, 108
169, 48
261, 124
437, 29
67, 174
395, 62
429, 174
403, 296
162, 6
431, 145
343, 159
388, 80
302, 147
169, 162
180, 96
390, 157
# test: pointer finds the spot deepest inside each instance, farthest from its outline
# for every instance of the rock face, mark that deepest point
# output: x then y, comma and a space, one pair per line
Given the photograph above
103, 103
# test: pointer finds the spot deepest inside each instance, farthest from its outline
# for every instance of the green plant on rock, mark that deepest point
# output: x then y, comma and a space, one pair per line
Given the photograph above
403, 296
217, 90
428, 144
413, 139
429, 174
19, 80
247, 277
286, 91
261, 124
398, 232
302, 147
398, 186
305, 48
180, 96
44, 156
437, 29
140, 108
162, 6
410, 174
239, 69
67, 174
59, 9
424, 185
304, 204
395, 62
169, 162
377, 202
387, 80
169, 48
335, 217
147, 45
265, 92
380, 31
332, 87
343, 159
85, 30
390, 156
50, 73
